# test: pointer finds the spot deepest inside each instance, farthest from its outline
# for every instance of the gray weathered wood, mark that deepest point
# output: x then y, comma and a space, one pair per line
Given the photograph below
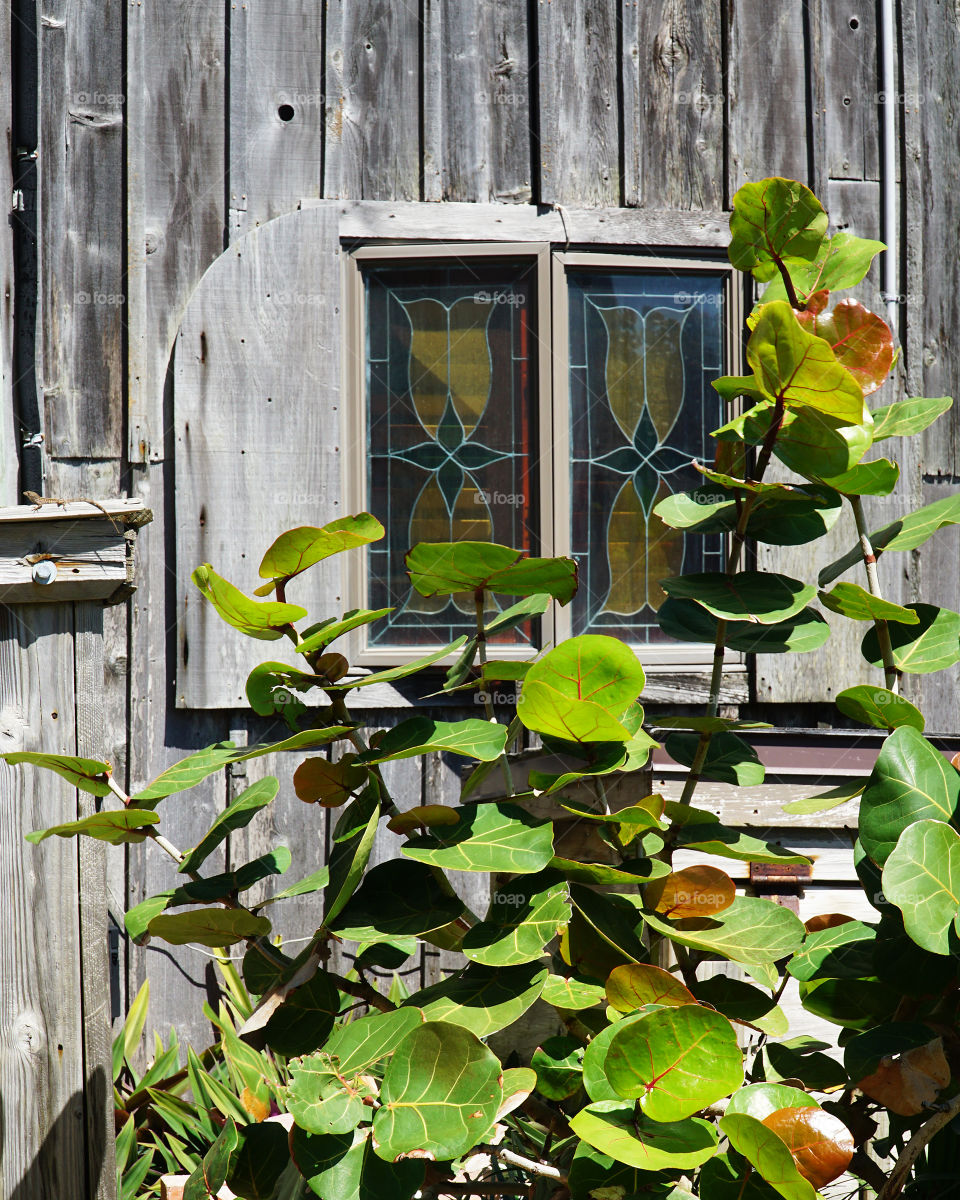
8, 435
94, 957
850, 110
176, 65
673, 104
372, 56
41, 1026
578, 109
766, 91
263, 329
81, 239
476, 101
276, 108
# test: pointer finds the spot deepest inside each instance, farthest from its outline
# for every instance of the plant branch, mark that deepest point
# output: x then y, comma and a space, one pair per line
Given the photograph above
788, 284
890, 669
915, 1147
482, 683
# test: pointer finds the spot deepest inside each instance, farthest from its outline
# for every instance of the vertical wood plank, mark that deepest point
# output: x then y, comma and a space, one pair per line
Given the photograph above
578, 104
9, 460
81, 225
276, 108
766, 91
41, 1033
372, 56
94, 958
176, 171
476, 101
673, 104
848, 44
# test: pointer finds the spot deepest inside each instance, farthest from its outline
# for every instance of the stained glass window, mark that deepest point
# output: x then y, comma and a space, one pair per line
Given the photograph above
451, 428
643, 348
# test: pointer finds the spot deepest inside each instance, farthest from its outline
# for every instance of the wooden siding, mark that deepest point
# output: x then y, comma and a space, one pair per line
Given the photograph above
548, 108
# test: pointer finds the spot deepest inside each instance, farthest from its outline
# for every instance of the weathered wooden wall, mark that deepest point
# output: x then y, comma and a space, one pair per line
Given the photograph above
215, 119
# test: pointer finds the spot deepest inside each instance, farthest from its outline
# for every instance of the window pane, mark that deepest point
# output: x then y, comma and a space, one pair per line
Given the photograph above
643, 350
451, 428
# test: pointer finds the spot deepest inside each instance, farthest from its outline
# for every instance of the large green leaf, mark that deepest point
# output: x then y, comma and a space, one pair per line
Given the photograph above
853, 601
931, 645
699, 829
260, 1160
592, 1175
446, 568
906, 533
786, 515
749, 595
604, 932
441, 1092
922, 878
578, 690
322, 634
405, 669
852, 1003
218, 887
841, 262
907, 417
675, 1061
614, 1128
353, 838
298, 549
878, 707
238, 814
775, 221
193, 769
523, 916
571, 994
729, 758
488, 837
473, 738
208, 926
730, 1177
686, 621
480, 998
808, 442
87, 774
264, 620
558, 1062
768, 1154
742, 1001
125, 825
637, 984
838, 952
799, 368
875, 478
750, 930
366, 1041
211, 1174
304, 1020
910, 781
396, 899
759, 1100
345, 1167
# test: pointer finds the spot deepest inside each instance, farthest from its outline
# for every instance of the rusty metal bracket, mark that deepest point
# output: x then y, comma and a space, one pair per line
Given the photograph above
780, 882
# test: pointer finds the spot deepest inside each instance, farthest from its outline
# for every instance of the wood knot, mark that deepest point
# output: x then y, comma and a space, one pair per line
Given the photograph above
27, 1035
671, 52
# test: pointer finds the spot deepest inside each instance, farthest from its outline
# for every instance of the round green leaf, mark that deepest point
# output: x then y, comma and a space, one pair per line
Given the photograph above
473, 738
636, 984
907, 417
759, 1100
878, 707
910, 781
305, 1018
613, 1128
488, 837
741, 1001
397, 899
87, 774
345, 1167
264, 621
482, 999
922, 878
523, 916
875, 478
775, 220
115, 827
595, 1080
578, 690
675, 1061
441, 1092
838, 952
756, 596
729, 758
768, 1155
853, 1003
931, 645
841, 261
559, 1067
208, 926
851, 600
298, 549
446, 568
366, 1041
259, 1161
750, 930
574, 995
730, 1177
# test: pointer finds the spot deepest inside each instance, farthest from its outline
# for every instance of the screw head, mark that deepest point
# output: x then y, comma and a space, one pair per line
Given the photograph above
44, 571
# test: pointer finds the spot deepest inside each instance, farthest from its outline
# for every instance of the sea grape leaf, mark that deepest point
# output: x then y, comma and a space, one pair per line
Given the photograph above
878, 707
906, 533
750, 930
632, 871
852, 1003
327, 631
860, 339
788, 515
841, 262
488, 837
901, 1066
633, 985
472, 738
208, 926
353, 838
808, 441
825, 801
820, 1144
218, 887
271, 688
675, 1061
577, 690
398, 898
613, 1128
921, 876
523, 916
686, 621
907, 417
878, 477
855, 602
602, 934
260, 1160
298, 549
481, 998
330, 784
423, 816
697, 891
87, 774
768, 1154
910, 781
755, 596
345, 1167
571, 994
408, 668
367, 1040
314, 882
740, 1001
759, 1100
729, 758
800, 369
305, 1018
837, 952
447, 568
124, 825
931, 645
558, 1063
237, 815
441, 1090
775, 221
264, 620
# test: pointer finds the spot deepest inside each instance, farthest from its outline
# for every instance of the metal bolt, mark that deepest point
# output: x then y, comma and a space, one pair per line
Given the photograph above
44, 571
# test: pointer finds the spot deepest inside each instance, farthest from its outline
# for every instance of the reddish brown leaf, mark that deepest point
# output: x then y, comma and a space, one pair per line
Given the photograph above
955, 761
825, 921
905, 1083
258, 1109
693, 892
424, 815
861, 341
635, 984
317, 780
821, 1145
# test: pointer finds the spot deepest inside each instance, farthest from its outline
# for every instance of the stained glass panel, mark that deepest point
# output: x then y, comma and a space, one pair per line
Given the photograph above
643, 349
451, 428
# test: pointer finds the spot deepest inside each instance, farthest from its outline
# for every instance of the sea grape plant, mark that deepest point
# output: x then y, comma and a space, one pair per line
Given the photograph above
658, 1081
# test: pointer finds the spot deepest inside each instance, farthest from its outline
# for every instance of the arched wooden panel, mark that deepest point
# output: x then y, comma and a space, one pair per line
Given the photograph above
257, 426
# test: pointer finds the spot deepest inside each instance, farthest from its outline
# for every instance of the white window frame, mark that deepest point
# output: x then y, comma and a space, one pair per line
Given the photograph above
551, 257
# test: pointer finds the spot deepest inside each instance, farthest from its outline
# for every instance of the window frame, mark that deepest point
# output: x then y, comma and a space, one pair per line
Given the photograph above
551, 259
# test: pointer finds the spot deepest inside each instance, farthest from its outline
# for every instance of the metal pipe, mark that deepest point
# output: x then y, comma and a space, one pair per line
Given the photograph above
888, 197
